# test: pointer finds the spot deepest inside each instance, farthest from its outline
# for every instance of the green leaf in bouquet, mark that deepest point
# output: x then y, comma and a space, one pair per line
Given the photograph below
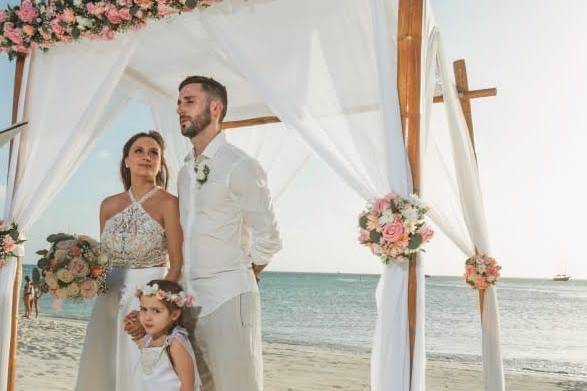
54, 238
374, 236
42, 252
43, 263
363, 221
415, 241
36, 276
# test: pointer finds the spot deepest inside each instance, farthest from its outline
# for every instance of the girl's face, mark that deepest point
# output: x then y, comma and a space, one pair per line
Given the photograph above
144, 157
155, 317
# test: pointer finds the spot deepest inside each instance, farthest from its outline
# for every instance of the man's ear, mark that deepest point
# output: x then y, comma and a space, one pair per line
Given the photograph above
216, 106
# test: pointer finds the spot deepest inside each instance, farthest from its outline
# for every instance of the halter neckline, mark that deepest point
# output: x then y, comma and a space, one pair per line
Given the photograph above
144, 197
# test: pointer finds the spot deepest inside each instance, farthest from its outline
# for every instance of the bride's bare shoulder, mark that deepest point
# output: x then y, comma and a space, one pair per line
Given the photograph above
113, 203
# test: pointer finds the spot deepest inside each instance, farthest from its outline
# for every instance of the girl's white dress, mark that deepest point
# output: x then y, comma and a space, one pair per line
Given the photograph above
137, 247
158, 372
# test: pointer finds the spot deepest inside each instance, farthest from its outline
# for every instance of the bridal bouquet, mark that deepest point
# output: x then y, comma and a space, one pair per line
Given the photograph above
74, 267
9, 239
481, 271
394, 227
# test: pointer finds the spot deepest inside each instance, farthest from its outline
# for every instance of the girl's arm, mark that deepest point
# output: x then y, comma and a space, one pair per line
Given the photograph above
183, 365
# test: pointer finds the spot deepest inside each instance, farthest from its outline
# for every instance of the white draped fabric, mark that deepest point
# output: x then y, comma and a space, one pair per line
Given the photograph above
458, 206
330, 77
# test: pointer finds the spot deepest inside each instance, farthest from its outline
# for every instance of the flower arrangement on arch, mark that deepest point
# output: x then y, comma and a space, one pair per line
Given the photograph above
74, 267
394, 228
45, 23
9, 239
481, 271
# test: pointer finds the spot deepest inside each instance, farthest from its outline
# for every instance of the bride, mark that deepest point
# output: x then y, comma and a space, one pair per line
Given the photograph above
141, 233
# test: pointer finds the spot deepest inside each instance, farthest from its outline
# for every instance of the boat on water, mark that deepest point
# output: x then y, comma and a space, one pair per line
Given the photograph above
561, 277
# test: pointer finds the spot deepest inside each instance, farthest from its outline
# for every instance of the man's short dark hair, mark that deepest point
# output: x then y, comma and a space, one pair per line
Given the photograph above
213, 89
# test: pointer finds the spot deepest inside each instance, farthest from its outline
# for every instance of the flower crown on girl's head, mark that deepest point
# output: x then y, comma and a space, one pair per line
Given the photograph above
180, 299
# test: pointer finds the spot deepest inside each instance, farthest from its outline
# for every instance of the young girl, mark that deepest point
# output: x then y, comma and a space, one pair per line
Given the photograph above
167, 357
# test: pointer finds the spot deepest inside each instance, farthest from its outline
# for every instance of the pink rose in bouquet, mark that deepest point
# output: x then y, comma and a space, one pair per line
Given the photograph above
9, 244
27, 12
78, 267
393, 232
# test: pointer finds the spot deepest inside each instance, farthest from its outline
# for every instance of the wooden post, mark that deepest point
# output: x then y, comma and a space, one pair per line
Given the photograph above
465, 95
410, 15
19, 70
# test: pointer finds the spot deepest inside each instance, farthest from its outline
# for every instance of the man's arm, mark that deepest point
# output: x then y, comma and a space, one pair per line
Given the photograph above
248, 183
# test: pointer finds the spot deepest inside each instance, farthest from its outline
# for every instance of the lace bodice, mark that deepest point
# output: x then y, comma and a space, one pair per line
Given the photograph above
132, 238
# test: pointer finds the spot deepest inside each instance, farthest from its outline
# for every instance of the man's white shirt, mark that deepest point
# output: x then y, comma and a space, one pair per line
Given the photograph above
227, 221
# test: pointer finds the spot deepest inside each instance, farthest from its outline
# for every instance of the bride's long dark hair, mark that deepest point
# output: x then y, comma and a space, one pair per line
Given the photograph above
162, 175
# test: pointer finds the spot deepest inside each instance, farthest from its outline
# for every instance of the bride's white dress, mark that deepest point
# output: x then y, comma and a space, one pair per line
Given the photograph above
137, 246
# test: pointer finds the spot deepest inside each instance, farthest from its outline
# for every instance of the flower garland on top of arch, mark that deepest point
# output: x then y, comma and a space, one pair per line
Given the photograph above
46, 23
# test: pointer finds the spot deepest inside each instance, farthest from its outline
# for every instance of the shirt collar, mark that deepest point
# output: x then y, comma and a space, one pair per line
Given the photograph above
211, 148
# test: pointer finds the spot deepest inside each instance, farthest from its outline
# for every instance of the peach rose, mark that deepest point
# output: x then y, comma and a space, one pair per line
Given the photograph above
96, 271
28, 30
88, 289
68, 16
144, 4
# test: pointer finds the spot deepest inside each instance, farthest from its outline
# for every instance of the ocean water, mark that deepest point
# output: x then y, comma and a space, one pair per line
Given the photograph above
543, 323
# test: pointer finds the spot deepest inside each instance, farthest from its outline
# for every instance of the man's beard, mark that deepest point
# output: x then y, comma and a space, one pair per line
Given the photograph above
197, 124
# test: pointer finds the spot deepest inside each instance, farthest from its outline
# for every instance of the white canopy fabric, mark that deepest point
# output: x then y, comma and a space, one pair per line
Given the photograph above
452, 186
330, 77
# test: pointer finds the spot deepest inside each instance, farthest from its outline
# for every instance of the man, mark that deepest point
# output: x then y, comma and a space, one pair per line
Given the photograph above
230, 235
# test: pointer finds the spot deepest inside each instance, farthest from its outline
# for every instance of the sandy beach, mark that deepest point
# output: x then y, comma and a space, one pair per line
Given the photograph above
49, 348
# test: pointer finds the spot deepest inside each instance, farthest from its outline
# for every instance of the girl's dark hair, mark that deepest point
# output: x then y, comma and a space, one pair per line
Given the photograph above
162, 175
167, 286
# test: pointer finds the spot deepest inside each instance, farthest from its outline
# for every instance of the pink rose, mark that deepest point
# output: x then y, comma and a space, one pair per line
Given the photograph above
380, 205
28, 30
124, 14
113, 16
160, 295
56, 27
426, 233
94, 9
164, 10
68, 16
2, 16
13, 34
9, 244
470, 270
74, 251
78, 267
363, 236
27, 12
393, 232
106, 33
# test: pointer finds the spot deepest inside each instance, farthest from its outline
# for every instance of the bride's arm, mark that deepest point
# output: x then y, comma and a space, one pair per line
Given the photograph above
174, 236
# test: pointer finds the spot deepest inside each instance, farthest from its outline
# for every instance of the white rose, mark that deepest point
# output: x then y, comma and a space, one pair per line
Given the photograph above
64, 275
410, 214
51, 280
83, 23
73, 289
60, 255
102, 259
77, 3
480, 268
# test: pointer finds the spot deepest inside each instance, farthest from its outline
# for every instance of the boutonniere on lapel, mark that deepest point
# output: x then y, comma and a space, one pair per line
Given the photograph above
202, 170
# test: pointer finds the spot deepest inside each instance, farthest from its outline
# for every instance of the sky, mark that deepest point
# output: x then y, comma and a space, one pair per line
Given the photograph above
531, 144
